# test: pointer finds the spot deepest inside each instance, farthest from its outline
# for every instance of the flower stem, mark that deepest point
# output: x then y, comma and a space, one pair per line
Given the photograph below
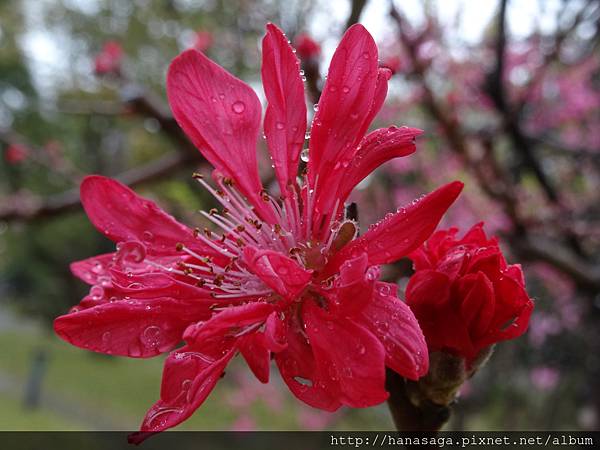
411, 410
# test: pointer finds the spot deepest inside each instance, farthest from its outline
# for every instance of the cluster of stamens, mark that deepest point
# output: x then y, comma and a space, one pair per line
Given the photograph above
237, 225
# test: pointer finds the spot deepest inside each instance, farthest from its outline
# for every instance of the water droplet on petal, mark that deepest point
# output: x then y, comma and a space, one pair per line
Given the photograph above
97, 293
280, 125
384, 289
304, 155
151, 336
238, 107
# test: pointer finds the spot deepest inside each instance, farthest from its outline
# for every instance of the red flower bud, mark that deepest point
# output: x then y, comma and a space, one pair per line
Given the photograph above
464, 294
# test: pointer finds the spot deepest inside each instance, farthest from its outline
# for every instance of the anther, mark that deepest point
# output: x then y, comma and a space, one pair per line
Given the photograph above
179, 246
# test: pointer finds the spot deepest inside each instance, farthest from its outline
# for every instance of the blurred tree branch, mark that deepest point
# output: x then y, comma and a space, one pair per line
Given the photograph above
356, 9
22, 206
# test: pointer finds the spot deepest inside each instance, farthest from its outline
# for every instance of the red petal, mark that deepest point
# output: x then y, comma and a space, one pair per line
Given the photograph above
375, 149
285, 118
189, 376
121, 215
221, 115
89, 270
381, 88
156, 284
275, 332
400, 233
254, 349
427, 294
234, 317
135, 328
348, 357
344, 106
392, 321
279, 272
512, 304
478, 304
297, 367
354, 286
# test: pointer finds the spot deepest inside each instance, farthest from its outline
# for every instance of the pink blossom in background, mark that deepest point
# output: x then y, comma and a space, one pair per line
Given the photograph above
544, 378
244, 423
109, 60
315, 420
15, 154
394, 63
203, 40
306, 46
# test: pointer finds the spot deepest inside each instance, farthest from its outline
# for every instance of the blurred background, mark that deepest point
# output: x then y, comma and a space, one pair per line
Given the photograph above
508, 93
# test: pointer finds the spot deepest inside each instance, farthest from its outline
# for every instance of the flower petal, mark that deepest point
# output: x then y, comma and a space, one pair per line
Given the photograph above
121, 215
427, 295
375, 149
232, 318
276, 270
513, 310
91, 269
285, 118
221, 116
400, 233
478, 304
349, 358
157, 284
345, 104
354, 286
135, 328
298, 369
392, 321
189, 376
254, 349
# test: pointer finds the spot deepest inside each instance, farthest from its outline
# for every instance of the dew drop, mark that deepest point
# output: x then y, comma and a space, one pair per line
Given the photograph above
346, 89
384, 289
238, 107
147, 236
151, 336
279, 125
97, 293
304, 155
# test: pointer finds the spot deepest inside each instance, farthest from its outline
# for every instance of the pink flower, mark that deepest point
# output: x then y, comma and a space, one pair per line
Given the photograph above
393, 63
306, 46
203, 40
464, 294
15, 154
109, 59
545, 378
285, 276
